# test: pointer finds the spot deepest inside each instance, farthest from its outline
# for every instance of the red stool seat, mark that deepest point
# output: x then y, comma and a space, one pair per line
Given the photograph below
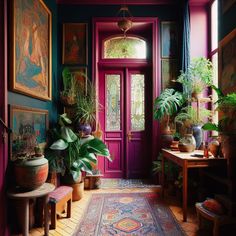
57, 200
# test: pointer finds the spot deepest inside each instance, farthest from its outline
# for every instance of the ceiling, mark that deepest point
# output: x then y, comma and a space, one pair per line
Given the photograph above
129, 2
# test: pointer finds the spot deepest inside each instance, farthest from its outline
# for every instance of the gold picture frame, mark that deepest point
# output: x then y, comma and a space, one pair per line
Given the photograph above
29, 127
31, 56
74, 44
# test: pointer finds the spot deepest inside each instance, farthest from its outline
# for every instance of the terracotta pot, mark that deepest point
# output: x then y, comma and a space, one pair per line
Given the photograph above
78, 191
32, 173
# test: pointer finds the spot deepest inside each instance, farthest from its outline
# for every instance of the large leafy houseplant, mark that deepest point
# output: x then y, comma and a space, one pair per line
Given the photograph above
166, 105
75, 154
197, 77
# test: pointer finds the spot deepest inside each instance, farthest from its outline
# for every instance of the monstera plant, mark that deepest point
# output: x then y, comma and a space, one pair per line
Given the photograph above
166, 105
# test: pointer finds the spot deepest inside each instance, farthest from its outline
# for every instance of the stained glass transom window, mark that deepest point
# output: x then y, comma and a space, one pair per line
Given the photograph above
137, 102
113, 102
128, 47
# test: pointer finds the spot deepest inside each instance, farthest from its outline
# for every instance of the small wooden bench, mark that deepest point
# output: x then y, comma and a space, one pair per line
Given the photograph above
57, 200
217, 220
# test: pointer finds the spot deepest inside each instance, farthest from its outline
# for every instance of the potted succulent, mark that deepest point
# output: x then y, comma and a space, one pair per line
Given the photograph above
75, 153
197, 77
165, 107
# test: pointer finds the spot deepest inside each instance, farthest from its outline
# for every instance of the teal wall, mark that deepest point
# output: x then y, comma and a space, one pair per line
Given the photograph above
85, 14
51, 106
227, 21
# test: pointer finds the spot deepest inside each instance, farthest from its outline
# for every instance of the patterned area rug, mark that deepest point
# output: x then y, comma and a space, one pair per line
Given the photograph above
126, 183
128, 214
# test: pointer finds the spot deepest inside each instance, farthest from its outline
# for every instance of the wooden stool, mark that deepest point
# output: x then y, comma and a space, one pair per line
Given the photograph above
217, 220
57, 200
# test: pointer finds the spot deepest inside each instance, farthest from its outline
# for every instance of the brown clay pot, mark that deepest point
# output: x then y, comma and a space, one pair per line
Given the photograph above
32, 173
78, 191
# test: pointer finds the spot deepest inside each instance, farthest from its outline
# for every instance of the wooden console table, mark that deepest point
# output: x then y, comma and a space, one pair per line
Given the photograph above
42, 191
186, 161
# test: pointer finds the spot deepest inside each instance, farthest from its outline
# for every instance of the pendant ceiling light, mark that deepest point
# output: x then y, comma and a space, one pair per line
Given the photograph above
125, 23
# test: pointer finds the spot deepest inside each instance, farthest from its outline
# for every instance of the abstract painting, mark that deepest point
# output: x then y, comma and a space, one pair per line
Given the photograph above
29, 126
31, 49
74, 43
227, 63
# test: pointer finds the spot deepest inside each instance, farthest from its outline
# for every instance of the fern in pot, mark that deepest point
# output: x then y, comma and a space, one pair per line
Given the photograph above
197, 77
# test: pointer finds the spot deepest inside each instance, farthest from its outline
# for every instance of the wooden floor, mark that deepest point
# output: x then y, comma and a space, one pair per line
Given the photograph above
66, 227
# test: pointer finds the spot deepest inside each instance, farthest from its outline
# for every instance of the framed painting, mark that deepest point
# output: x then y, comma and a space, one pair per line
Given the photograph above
31, 49
169, 73
227, 63
226, 4
169, 39
80, 74
74, 44
29, 127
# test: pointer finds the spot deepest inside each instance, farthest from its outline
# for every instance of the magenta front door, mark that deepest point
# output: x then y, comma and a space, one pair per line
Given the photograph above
124, 118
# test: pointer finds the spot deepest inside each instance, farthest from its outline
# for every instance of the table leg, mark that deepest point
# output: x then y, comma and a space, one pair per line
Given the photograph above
25, 228
162, 175
46, 223
185, 191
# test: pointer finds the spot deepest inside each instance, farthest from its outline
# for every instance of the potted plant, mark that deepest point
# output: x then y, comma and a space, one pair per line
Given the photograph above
85, 110
30, 166
76, 153
227, 130
191, 120
165, 106
197, 77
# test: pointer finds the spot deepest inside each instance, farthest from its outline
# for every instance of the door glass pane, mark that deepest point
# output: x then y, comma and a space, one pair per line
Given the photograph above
137, 102
112, 102
128, 47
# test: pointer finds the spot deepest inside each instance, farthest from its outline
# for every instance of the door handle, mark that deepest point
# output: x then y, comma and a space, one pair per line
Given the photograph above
129, 136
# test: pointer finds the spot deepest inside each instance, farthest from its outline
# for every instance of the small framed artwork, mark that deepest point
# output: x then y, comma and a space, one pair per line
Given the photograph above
226, 4
169, 39
227, 63
29, 127
169, 72
80, 74
74, 43
31, 49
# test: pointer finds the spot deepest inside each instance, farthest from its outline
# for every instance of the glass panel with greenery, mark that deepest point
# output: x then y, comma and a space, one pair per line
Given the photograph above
125, 47
137, 102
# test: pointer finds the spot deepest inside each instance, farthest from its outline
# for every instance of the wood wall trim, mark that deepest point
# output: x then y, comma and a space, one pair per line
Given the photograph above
116, 2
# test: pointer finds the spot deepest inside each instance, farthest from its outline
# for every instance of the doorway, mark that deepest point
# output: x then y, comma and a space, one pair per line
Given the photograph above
126, 113
125, 121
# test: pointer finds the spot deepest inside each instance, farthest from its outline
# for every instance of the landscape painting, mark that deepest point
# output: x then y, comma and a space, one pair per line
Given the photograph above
31, 49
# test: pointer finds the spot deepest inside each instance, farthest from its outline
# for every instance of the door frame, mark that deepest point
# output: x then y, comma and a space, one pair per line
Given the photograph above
99, 23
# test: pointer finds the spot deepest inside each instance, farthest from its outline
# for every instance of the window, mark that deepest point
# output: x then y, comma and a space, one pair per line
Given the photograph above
124, 47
